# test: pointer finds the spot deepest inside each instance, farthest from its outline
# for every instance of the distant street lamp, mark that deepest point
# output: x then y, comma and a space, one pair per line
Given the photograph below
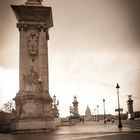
98, 112
104, 110
119, 115
55, 102
95, 113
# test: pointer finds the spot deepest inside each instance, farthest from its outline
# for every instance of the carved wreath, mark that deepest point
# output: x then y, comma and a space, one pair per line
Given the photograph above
33, 44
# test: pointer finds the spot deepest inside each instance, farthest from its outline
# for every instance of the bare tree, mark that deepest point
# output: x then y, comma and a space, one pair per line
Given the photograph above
7, 107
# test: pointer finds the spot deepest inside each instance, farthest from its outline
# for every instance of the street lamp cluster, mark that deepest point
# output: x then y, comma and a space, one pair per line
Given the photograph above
56, 103
98, 118
119, 109
104, 111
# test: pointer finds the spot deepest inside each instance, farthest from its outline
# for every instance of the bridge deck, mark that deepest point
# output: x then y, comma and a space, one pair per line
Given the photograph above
84, 131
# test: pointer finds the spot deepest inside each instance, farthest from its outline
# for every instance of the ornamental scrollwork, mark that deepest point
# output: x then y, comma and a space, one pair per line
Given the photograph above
33, 43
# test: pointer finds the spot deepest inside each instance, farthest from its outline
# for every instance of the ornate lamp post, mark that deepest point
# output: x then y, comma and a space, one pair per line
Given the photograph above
98, 112
119, 115
54, 99
55, 104
104, 110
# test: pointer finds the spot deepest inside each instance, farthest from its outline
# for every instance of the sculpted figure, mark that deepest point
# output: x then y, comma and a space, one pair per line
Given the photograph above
31, 80
33, 44
32, 77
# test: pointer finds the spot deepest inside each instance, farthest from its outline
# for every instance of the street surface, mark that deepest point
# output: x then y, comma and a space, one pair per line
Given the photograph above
85, 131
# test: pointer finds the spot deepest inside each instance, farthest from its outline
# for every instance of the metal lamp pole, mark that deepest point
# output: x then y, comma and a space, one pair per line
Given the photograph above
95, 114
104, 110
98, 112
119, 115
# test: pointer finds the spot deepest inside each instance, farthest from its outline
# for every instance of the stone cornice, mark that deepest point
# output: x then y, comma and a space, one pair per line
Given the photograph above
33, 2
27, 26
33, 14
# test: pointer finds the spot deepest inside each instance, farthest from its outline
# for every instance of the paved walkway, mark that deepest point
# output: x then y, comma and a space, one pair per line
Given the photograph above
86, 131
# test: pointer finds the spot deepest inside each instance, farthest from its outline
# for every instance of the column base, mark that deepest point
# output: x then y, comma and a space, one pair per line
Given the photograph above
35, 125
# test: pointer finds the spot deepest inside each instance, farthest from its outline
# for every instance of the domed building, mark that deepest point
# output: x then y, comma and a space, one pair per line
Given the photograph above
88, 114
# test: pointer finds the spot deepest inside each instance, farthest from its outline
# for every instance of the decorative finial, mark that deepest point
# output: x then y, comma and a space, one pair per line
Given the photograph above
33, 2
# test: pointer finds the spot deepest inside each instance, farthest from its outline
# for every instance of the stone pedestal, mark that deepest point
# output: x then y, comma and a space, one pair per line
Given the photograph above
130, 108
34, 125
75, 104
33, 101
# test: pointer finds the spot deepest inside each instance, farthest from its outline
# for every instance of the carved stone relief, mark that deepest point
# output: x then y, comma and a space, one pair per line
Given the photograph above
29, 108
33, 44
31, 81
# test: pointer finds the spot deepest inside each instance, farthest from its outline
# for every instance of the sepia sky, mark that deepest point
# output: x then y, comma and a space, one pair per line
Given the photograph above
93, 45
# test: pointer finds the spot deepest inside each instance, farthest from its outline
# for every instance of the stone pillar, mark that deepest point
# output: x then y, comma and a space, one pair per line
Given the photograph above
33, 101
75, 104
130, 108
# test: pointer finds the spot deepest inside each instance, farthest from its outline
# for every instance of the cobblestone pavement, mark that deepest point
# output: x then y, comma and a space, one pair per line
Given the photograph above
87, 131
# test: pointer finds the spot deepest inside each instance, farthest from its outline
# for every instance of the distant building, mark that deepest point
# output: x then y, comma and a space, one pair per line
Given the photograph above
88, 116
137, 114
